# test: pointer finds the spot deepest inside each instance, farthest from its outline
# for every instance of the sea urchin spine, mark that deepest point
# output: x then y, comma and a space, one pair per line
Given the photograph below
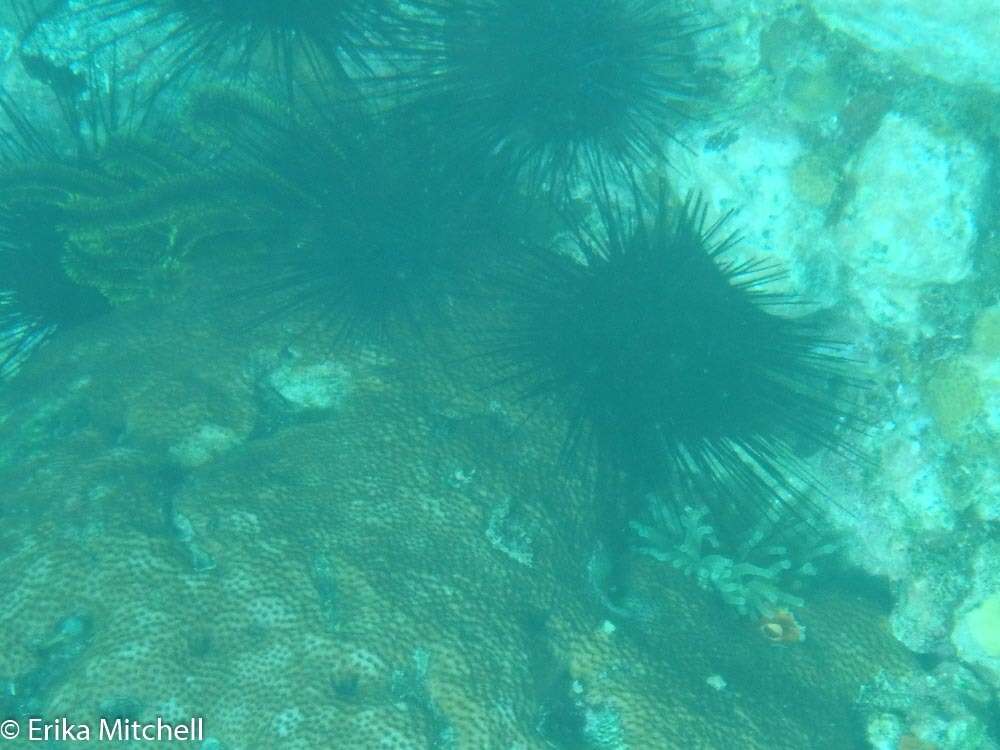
673, 365
547, 91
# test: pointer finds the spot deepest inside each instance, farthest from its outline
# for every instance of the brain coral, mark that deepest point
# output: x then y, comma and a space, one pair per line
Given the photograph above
402, 568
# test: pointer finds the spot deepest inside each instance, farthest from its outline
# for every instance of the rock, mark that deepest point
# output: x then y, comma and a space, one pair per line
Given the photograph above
911, 220
955, 42
976, 634
983, 624
763, 176
315, 386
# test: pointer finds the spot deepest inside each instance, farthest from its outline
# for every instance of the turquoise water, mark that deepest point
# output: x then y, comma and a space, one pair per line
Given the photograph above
495, 374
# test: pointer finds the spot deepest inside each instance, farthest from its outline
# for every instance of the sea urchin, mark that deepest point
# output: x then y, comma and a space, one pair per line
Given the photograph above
361, 237
301, 41
547, 90
675, 368
37, 297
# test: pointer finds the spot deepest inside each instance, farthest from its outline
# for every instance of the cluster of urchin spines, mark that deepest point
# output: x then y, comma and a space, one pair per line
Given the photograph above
676, 376
355, 66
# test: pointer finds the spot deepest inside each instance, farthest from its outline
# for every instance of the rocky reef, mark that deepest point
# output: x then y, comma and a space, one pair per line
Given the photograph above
311, 547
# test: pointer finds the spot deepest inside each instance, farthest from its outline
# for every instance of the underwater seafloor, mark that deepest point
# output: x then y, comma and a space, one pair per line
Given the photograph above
375, 550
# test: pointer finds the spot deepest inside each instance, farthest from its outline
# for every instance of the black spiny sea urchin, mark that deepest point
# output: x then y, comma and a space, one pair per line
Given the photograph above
37, 298
675, 369
42, 171
363, 233
547, 90
300, 41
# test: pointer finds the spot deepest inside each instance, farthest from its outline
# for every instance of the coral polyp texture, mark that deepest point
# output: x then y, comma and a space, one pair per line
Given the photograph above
546, 91
677, 371
331, 577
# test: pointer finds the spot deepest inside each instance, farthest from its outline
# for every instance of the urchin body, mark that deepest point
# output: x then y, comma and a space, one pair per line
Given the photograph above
548, 90
675, 371
364, 234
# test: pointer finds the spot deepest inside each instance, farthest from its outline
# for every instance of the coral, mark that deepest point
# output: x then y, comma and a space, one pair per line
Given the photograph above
312, 547
954, 397
755, 579
332, 577
983, 623
509, 534
814, 179
976, 631
815, 93
947, 709
323, 385
783, 223
986, 334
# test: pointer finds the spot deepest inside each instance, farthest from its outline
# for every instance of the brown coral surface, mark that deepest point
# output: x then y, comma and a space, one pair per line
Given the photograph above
399, 564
